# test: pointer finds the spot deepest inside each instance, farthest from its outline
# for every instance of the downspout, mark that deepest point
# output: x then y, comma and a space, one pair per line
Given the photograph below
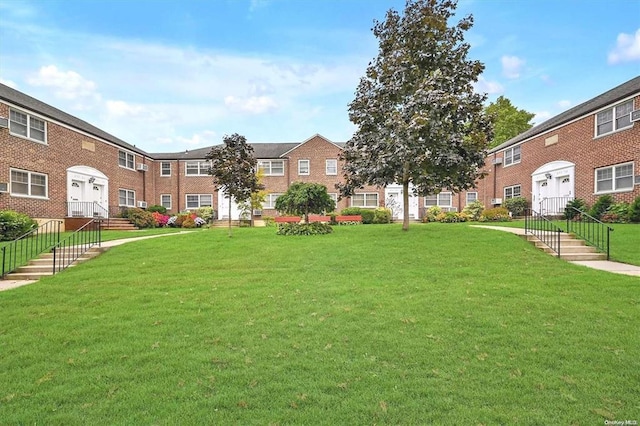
144, 181
178, 185
495, 178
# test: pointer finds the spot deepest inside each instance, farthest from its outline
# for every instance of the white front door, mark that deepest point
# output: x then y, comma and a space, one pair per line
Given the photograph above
223, 207
99, 200
393, 201
565, 187
76, 198
87, 192
542, 192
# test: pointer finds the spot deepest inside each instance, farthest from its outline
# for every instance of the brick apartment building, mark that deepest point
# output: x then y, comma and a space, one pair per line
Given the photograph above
54, 165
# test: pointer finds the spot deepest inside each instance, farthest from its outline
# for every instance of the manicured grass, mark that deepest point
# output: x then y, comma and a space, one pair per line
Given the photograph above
444, 324
624, 244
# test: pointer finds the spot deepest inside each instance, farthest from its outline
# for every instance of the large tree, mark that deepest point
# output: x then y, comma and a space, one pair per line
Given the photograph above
419, 121
304, 198
508, 121
233, 168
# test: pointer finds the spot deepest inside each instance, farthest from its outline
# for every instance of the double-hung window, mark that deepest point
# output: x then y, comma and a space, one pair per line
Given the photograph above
126, 197
303, 167
331, 167
28, 126
29, 184
195, 201
512, 156
615, 118
270, 201
197, 168
165, 168
615, 178
471, 197
165, 201
367, 200
271, 167
512, 191
126, 159
443, 199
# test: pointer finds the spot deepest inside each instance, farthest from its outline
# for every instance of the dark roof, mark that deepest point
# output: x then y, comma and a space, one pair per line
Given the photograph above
625, 90
22, 100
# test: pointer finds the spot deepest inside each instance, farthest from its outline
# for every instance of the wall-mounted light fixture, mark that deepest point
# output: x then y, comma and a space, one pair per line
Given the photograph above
92, 179
547, 175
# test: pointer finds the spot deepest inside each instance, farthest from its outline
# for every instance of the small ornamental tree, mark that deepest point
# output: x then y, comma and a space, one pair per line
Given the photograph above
304, 198
233, 168
419, 122
508, 121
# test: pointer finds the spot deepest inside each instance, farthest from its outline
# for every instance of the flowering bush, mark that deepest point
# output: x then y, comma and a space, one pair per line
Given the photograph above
206, 213
161, 219
199, 221
474, 210
141, 218
452, 217
431, 214
186, 220
496, 214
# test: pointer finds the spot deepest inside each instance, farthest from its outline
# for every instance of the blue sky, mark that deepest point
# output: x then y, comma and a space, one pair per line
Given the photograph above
167, 76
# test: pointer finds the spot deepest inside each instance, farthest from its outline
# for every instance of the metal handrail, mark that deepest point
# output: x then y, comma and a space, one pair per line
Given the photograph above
590, 229
543, 229
75, 245
28, 246
91, 209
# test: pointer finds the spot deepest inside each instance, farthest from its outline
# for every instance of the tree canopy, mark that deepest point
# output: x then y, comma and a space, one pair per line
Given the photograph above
304, 198
419, 121
508, 121
233, 168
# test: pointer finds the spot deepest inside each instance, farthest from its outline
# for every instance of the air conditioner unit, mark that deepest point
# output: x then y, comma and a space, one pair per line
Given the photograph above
495, 201
143, 167
635, 115
257, 212
142, 204
497, 160
4, 187
4, 122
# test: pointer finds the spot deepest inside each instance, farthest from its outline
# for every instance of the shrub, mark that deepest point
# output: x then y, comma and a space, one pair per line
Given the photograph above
496, 214
157, 209
516, 205
473, 210
161, 219
634, 211
452, 217
314, 228
206, 213
570, 209
601, 205
198, 221
141, 218
431, 214
367, 214
269, 220
14, 225
382, 215
188, 222
617, 213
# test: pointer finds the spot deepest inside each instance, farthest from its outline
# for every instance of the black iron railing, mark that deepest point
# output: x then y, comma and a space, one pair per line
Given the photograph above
75, 245
86, 209
589, 229
543, 229
20, 251
553, 206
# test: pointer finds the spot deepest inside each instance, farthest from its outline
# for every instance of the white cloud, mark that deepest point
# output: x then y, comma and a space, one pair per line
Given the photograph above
564, 104
205, 138
541, 117
486, 86
122, 109
511, 66
68, 85
627, 48
252, 104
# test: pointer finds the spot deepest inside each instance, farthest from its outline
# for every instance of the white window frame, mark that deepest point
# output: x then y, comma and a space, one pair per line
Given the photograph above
201, 165
266, 166
270, 201
618, 115
29, 183
615, 177
162, 203
511, 154
475, 197
334, 197
365, 200
129, 195
304, 167
438, 199
331, 167
162, 168
29, 126
512, 191
200, 203
129, 160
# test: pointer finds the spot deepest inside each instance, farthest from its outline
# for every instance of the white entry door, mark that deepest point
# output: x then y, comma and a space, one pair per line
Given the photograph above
223, 207
394, 202
542, 192
76, 198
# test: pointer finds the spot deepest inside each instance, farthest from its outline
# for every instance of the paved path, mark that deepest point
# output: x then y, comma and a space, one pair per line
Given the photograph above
603, 265
9, 284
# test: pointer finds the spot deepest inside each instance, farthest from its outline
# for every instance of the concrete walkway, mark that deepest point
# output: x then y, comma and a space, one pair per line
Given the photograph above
9, 284
603, 265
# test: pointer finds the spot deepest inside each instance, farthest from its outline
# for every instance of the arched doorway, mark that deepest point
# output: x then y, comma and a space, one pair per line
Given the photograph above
87, 192
553, 186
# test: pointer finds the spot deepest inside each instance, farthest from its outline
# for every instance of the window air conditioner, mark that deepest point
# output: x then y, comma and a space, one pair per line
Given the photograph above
4, 187
257, 212
4, 122
635, 115
496, 161
143, 167
142, 204
495, 201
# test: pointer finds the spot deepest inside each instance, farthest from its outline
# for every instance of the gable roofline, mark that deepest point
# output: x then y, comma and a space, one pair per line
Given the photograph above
317, 135
626, 90
21, 100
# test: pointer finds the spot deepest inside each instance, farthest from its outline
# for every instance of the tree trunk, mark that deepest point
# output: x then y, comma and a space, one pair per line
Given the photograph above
229, 215
405, 198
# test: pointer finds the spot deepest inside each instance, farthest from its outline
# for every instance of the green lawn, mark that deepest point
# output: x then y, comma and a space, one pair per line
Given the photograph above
444, 324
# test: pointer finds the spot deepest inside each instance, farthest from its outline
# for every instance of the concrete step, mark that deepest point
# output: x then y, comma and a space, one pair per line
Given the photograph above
571, 249
43, 265
571, 257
